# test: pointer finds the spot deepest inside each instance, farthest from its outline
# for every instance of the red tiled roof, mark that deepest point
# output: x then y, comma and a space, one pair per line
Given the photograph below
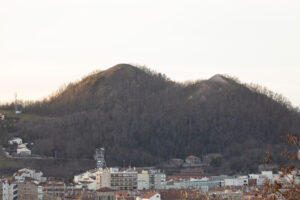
148, 195
192, 157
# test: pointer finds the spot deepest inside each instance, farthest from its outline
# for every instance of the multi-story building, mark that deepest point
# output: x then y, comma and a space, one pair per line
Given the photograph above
1, 190
53, 189
123, 180
9, 190
157, 179
28, 189
143, 180
103, 178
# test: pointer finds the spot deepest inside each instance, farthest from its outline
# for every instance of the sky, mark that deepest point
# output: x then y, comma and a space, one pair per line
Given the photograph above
45, 44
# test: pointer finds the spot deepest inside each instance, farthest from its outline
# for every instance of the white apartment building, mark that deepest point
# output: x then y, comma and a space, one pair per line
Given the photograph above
157, 179
9, 190
143, 180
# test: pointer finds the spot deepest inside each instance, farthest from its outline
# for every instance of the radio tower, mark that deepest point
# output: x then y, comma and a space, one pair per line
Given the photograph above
99, 157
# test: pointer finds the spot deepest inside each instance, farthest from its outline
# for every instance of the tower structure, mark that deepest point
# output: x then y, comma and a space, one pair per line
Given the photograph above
17, 111
99, 158
16, 103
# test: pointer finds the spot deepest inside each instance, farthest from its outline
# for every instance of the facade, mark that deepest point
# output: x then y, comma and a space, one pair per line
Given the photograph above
204, 184
78, 195
192, 160
1, 190
157, 179
93, 179
103, 179
150, 196
87, 179
123, 180
236, 182
15, 141
34, 174
9, 190
28, 189
23, 151
143, 180
53, 189
105, 194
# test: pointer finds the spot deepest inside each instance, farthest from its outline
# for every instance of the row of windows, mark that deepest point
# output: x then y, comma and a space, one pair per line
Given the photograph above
123, 175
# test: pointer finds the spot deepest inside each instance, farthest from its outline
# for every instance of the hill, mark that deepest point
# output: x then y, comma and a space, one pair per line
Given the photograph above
143, 118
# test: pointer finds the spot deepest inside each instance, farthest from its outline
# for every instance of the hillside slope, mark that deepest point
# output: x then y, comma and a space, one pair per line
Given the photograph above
143, 118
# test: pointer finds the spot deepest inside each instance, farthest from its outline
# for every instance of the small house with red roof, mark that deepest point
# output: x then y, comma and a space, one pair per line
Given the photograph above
193, 160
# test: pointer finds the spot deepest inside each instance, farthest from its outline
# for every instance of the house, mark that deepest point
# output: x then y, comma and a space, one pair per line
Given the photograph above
192, 160
150, 196
2, 117
23, 151
17, 141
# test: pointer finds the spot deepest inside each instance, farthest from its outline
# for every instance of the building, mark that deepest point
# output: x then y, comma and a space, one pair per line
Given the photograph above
143, 180
28, 189
192, 160
23, 151
9, 190
150, 196
105, 194
123, 180
79, 194
93, 179
15, 141
157, 179
241, 181
21, 174
1, 190
103, 178
204, 183
53, 189
2, 117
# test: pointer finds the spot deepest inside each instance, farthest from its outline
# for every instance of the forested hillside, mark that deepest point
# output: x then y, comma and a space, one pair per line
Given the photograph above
143, 118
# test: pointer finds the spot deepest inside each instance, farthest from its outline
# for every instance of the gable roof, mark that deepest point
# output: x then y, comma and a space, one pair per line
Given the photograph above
148, 195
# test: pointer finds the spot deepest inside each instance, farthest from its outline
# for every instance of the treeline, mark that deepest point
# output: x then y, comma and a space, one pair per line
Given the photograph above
143, 118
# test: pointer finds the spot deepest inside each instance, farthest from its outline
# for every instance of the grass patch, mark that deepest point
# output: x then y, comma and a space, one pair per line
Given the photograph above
23, 116
8, 163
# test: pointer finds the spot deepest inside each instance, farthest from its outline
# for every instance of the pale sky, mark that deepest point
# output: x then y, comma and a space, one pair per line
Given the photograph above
47, 43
